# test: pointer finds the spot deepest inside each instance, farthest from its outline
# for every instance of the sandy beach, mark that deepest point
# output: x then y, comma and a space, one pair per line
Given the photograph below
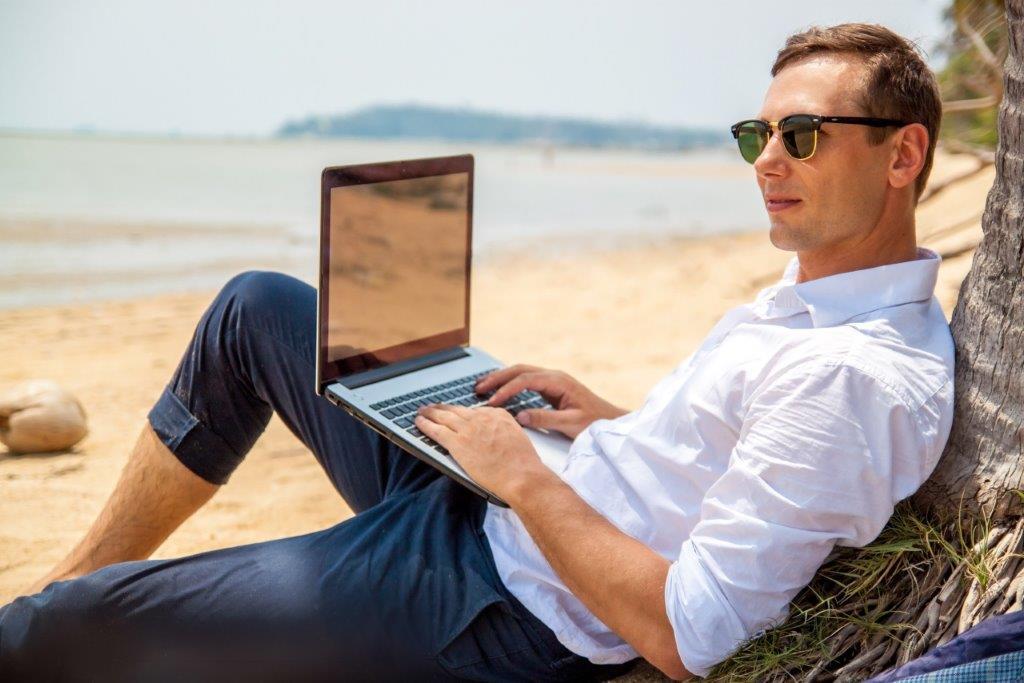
581, 312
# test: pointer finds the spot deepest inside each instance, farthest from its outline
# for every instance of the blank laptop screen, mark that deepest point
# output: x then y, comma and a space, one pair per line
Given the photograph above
397, 269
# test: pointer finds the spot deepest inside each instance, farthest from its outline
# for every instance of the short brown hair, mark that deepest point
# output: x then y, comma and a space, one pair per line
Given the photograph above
901, 86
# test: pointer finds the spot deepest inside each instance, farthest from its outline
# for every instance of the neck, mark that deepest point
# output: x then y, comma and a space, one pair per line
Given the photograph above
888, 242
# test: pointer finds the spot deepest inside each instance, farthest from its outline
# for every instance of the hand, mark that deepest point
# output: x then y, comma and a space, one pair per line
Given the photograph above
575, 405
487, 442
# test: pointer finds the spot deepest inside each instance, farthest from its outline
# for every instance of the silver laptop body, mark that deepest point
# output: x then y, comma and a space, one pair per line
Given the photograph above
393, 303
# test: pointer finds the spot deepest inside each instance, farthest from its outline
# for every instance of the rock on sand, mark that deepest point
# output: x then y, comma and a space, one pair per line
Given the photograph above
39, 416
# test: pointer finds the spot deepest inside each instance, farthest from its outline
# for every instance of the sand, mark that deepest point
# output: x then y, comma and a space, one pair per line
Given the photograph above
582, 312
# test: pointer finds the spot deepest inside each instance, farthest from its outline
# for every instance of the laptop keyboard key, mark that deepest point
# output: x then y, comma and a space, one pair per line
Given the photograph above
461, 392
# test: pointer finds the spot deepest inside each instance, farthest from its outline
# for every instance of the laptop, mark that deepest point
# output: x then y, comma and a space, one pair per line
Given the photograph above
393, 304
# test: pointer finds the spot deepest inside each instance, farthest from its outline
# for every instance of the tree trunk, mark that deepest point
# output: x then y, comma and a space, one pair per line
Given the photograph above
983, 463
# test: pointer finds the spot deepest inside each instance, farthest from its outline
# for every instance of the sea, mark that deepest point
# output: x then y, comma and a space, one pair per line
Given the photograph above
85, 217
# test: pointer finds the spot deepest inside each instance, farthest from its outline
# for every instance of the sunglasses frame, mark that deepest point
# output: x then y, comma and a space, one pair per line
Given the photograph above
768, 128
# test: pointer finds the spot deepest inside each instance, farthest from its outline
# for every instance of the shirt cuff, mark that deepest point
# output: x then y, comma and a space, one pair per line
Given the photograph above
706, 627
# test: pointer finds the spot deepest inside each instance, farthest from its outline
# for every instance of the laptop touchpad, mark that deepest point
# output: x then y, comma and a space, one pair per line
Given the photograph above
552, 447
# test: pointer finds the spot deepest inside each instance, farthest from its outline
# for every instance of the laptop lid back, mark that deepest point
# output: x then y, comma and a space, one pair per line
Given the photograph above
395, 251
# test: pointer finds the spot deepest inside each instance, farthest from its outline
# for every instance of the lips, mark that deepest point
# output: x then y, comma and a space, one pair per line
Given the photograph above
779, 203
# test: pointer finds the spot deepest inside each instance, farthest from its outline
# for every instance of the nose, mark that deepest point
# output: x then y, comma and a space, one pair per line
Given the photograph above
773, 160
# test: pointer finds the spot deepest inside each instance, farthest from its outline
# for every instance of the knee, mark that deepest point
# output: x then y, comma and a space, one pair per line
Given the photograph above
255, 296
258, 289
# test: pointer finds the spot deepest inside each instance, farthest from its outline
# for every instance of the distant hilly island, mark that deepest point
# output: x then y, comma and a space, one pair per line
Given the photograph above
468, 125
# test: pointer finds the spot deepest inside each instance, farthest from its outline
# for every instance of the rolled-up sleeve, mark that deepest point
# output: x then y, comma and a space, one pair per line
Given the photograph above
815, 465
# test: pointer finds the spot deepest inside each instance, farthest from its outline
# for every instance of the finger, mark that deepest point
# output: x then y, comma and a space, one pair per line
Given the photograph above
541, 418
497, 413
509, 389
499, 377
440, 433
442, 414
461, 411
544, 382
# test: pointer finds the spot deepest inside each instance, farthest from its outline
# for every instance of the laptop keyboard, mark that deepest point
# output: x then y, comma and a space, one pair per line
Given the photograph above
459, 392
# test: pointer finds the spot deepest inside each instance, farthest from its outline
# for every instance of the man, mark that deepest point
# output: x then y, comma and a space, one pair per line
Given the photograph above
674, 532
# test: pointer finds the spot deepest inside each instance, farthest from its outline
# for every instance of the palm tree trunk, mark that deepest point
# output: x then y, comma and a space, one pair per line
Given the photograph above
983, 463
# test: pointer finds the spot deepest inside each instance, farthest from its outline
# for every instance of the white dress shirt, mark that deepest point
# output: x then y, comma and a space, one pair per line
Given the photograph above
797, 425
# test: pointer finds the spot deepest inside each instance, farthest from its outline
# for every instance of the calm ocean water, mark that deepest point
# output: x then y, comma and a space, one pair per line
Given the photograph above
90, 217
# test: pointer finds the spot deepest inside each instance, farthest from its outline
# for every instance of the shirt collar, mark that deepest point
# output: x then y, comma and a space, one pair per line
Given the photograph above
835, 299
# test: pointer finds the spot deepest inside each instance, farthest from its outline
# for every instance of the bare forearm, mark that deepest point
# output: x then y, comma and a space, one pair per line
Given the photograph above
618, 578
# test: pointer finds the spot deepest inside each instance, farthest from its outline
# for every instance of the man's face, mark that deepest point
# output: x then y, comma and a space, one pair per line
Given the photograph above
837, 196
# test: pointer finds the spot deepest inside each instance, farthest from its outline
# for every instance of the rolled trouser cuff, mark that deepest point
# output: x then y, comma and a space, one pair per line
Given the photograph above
196, 445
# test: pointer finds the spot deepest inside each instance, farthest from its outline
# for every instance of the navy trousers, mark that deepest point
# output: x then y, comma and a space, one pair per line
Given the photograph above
404, 590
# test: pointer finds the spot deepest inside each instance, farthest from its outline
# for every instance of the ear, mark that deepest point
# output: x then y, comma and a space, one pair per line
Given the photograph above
910, 147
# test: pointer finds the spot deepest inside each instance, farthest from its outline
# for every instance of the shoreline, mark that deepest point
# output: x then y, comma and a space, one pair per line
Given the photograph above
72, 209
112, 265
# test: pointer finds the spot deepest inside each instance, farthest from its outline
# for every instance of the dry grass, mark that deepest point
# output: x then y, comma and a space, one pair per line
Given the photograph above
868, 609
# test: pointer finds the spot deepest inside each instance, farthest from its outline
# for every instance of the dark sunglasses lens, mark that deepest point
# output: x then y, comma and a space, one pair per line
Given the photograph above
799, 135
752, 139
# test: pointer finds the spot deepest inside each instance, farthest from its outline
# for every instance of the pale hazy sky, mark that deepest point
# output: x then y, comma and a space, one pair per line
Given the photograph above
242, 68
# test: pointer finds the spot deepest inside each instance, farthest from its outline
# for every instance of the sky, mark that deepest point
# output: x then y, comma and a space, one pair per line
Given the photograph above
242, 68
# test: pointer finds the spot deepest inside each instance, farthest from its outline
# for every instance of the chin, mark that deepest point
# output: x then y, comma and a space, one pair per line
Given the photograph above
790, 234
784, 237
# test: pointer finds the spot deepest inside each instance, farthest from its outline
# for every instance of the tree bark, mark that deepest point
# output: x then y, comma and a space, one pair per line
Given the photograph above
983, 463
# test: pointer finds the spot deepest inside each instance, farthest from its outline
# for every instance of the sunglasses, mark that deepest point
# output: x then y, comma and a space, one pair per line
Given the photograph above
799, 133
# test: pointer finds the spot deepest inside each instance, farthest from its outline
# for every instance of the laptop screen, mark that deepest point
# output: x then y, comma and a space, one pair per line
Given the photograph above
396, 284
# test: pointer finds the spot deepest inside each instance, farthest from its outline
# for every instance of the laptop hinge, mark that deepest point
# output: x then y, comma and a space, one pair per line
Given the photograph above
403, 367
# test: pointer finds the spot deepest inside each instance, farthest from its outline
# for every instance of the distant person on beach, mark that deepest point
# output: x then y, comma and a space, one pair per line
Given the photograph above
675, 532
